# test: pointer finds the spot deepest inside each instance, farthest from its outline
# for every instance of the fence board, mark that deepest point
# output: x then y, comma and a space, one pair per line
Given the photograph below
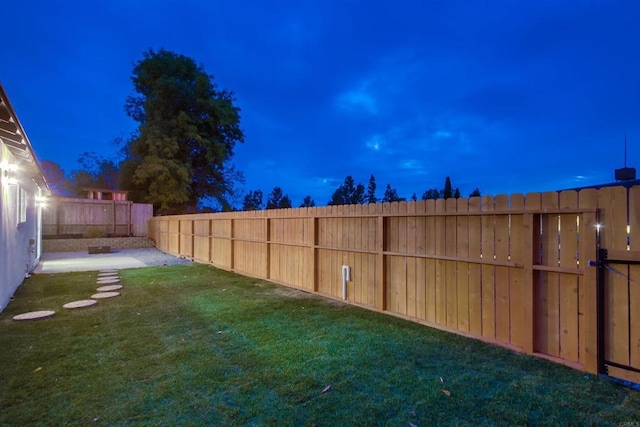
501, 235
430, 269
421, 276
488, 271
462, 250
548, 290
441, 272
451, 280
475, 270
411, 261
517, 250
613, 236
634, 277
569, 283
587, 296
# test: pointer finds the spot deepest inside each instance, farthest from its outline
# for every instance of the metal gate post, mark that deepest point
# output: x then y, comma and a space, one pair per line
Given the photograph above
602, 255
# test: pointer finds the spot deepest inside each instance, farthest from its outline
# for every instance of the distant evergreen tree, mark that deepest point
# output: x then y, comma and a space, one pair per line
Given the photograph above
348, 193
371, 190
414, 197
308, 202
278, 200
432, 193
475, 193
252, 201
390, 195
456, 193
447, 191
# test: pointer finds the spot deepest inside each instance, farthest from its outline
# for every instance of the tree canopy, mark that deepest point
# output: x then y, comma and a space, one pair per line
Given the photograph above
187, 130
308, 202
391, 195
348, 193
252, 201
278, 200
370, 197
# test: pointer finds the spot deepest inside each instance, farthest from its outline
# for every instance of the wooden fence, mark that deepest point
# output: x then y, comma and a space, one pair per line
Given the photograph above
66, 216
512, 270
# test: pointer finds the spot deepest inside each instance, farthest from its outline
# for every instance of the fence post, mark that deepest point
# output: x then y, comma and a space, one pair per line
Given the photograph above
532, 252
528, 323
115, 219
588, 307
267, 238
314, 249
231, 246
381, 282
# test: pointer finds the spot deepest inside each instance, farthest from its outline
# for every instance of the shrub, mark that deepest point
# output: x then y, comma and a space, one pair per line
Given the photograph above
93, 231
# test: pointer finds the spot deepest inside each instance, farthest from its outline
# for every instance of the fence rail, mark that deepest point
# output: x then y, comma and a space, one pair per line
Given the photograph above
511, 270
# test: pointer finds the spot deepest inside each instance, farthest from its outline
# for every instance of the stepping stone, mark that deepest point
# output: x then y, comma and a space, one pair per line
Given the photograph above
80, 304
35, 315
109, 270
109, 288
115, 273
108, 281
105, 295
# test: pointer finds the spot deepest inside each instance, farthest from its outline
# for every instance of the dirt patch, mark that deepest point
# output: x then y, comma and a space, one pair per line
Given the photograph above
289, 292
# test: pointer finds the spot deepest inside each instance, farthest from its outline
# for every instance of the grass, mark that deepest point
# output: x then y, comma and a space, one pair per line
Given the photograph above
192, 345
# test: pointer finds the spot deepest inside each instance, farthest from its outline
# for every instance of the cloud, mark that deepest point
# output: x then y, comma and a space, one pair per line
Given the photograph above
442, 134
358, 100
375, 143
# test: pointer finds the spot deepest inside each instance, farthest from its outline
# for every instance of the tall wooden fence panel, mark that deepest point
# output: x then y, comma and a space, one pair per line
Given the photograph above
514, 270
64, 216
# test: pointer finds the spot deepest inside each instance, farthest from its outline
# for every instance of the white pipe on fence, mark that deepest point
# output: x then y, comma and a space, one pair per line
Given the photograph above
346, 276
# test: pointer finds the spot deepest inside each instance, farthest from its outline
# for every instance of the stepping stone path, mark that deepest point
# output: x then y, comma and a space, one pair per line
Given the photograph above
101, 275
105, 277
105, 295
35, 315
107, 281
109, 288
109, 278
80, 304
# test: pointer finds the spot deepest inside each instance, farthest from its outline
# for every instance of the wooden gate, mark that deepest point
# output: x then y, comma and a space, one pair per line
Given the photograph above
564, 292
619, 283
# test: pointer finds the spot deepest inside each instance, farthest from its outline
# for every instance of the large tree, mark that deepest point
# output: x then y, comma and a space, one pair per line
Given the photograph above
187, 131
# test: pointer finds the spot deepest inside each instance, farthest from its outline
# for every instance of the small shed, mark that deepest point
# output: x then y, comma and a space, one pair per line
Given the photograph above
105, 194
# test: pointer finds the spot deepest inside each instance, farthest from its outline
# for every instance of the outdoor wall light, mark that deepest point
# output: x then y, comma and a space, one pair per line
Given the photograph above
8, 172
41, 201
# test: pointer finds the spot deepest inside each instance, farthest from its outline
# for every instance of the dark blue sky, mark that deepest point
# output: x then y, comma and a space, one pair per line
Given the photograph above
506, 96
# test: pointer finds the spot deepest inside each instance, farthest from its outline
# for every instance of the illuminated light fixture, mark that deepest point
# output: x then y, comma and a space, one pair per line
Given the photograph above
598, 227
8, 172
41, 201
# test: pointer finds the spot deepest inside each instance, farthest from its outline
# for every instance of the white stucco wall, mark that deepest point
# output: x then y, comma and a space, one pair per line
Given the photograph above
18, 256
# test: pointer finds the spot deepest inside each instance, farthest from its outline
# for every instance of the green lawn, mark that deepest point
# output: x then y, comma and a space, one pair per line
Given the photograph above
192, 345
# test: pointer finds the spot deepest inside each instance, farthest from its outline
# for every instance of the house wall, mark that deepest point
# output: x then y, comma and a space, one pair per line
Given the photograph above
18, 255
